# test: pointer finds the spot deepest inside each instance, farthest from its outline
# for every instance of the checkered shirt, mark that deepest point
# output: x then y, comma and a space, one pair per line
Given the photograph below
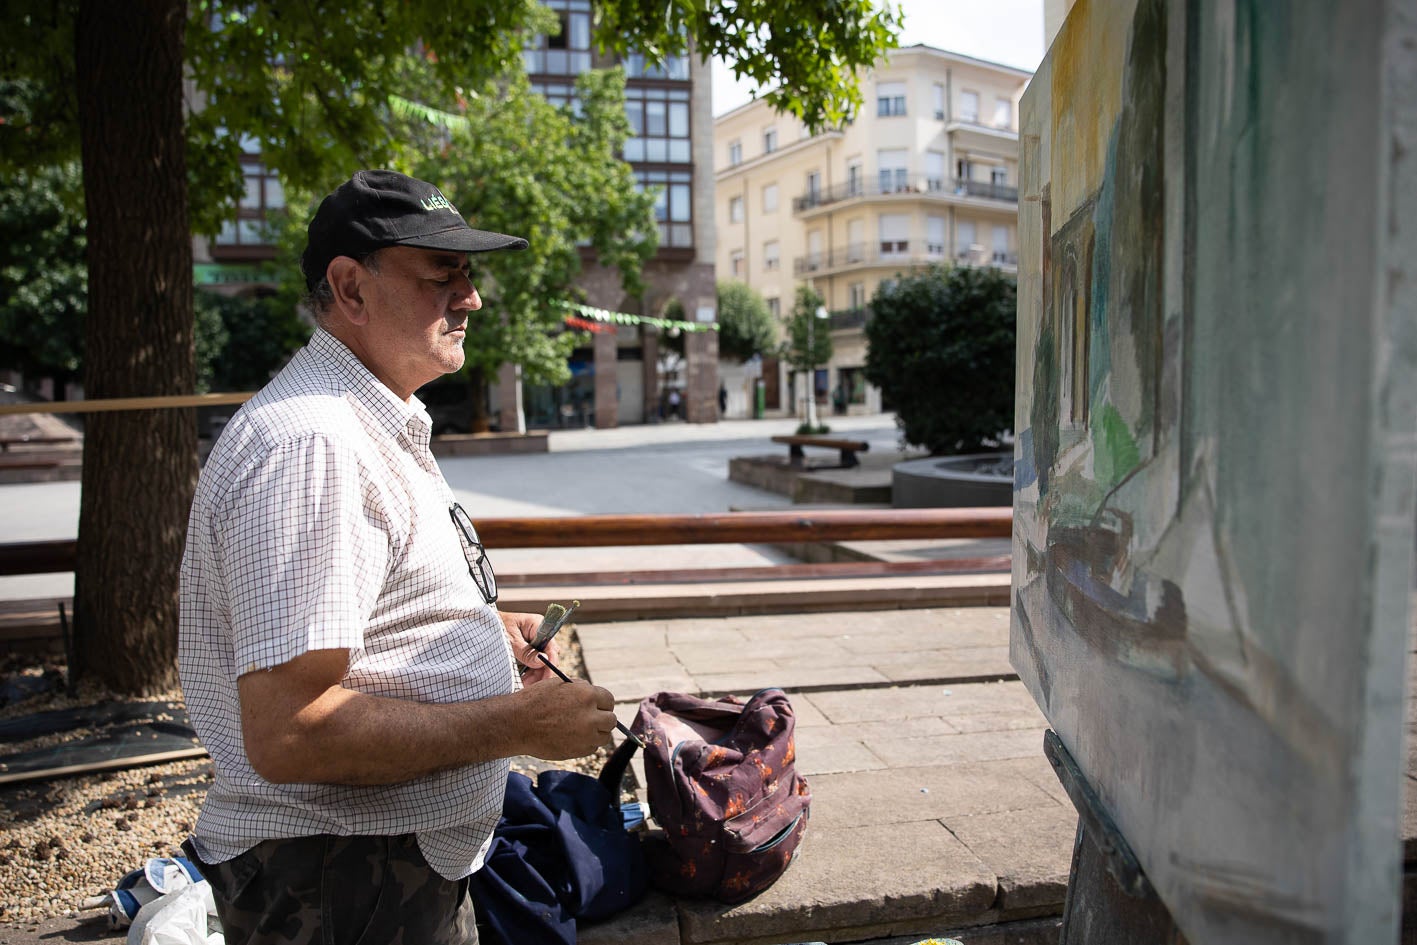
321, 522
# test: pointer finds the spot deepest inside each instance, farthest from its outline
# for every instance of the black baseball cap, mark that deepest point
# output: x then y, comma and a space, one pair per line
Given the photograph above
374, 209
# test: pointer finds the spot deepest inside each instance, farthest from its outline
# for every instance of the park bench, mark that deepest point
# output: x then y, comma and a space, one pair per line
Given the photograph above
848, 448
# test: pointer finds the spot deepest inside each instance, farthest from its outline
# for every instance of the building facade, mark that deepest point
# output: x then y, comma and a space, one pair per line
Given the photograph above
926, 174
627, 375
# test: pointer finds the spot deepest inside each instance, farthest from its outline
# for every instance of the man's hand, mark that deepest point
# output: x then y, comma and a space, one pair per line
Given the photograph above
521, 629
567, 719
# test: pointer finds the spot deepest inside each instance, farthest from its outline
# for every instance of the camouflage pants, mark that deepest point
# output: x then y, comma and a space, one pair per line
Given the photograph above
327, 890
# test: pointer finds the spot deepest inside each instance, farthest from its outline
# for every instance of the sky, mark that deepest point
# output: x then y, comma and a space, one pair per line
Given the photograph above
1004, 31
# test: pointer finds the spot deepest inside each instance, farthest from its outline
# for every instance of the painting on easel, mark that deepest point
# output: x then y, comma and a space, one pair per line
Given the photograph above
1212, 566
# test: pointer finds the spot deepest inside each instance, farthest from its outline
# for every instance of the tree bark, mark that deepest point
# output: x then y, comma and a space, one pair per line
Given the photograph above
140, 467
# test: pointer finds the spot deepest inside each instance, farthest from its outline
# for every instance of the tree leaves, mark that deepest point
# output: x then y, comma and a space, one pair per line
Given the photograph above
745, 326
942, 351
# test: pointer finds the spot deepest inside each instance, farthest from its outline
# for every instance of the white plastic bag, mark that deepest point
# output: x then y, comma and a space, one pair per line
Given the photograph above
185, 917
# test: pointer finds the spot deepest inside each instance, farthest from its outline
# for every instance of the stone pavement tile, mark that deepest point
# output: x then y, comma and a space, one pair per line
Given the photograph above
827, 749
622, 634
1001, 722
1030, 851
965, 663
806, 710
631, 685
905, 795
1038, 771
750, 681
904, 702
853, 878
919, 635
870, 732
653, 920
953, 749
718, 658
629, 656
719, 631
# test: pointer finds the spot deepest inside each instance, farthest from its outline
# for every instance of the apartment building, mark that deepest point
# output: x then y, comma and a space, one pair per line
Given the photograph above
926, 173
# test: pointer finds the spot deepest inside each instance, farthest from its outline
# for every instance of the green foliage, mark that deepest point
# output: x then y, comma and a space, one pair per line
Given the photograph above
243, 340
809, 338
43, 271
941, 349
745, 326
569, 188
809, 51
806, 429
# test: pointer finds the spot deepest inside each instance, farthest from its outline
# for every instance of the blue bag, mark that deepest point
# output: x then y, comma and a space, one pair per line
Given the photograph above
560, 853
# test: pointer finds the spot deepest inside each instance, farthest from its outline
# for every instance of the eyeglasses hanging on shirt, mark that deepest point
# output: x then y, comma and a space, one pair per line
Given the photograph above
477, 563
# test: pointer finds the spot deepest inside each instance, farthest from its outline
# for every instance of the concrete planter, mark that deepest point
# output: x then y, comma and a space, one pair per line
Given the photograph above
971, 481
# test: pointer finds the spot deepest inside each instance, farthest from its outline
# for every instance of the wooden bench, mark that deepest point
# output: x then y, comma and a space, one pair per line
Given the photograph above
848, 448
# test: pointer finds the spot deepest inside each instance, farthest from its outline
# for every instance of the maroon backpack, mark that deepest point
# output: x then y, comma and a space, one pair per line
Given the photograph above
722, 784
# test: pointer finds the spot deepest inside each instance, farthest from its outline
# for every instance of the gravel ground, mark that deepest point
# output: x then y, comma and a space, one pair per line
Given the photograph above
65, 840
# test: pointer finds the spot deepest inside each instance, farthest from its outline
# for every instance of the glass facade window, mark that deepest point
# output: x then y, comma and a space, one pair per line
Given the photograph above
568, 52
673, 205
262, 192
890, 99
637, 66
659, 123
560, 94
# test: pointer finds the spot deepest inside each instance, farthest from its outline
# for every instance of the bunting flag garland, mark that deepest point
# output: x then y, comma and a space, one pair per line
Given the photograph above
406, 108
586, 325
625, 318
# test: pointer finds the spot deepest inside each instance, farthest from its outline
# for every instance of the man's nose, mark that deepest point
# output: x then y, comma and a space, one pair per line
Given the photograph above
469, 300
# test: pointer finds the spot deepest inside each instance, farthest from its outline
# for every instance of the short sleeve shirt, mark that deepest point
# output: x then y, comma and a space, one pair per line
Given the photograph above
321, 521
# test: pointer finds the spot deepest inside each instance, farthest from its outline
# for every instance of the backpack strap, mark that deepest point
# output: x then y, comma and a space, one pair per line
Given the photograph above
614, 771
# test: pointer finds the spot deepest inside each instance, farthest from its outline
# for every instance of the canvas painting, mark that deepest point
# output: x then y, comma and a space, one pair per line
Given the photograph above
1213, 500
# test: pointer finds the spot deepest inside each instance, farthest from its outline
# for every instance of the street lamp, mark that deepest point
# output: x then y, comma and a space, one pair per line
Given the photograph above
821, 312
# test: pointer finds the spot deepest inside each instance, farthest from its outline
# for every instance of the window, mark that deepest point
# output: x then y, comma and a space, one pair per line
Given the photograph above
637, 66
964, 237
854, 186
856, 295
775, 307
935, 237
969, 107
659, 125
998, 176
937, 99
814, 186
815, 258
263, 192
735, 264
568, 52
735, 209
890, 99
1001, 244
893, 167
852, 381
735, 153
1003, 113
856, 241
769, 140
963, 169
770, 198
771, 257
935, 170
895, 234
673, 205
562, 94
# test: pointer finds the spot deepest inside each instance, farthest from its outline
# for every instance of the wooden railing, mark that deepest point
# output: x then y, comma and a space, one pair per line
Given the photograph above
589, 531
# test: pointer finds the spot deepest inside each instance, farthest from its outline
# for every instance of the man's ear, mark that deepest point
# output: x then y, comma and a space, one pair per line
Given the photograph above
346, 277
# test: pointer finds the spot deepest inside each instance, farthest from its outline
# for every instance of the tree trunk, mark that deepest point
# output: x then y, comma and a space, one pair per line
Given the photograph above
479, 421
140, 467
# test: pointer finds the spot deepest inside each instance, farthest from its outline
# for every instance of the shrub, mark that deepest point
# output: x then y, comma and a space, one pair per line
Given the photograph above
941, 349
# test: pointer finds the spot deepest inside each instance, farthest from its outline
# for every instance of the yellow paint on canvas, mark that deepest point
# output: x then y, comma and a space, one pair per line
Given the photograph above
1087, 58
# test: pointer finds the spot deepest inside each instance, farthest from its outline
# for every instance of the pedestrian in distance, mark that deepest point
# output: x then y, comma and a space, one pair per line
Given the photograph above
341, 653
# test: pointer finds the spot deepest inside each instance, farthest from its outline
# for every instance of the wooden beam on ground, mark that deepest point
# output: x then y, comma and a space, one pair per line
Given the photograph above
592, 531
174, 401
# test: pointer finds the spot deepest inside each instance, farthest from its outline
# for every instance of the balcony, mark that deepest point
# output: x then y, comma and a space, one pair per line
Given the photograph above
901, 254
844, 319
942, 188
